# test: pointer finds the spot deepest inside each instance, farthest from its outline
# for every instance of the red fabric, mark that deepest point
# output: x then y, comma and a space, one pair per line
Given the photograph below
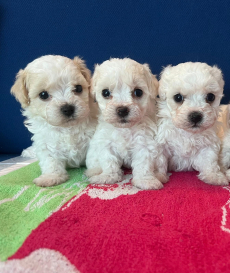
176, 229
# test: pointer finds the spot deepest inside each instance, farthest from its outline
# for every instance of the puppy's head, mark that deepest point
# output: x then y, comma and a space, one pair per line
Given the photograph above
192, 92
55, 88
125, 91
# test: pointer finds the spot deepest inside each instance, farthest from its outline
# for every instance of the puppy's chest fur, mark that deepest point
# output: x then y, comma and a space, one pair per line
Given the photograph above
183, 147
67, 144
123, 141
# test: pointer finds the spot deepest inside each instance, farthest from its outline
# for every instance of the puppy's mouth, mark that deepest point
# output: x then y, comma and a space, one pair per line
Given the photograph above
196, 126
123, 121
72, 118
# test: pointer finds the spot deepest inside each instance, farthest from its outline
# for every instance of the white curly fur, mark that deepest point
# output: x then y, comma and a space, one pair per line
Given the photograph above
29, 152
225, 139
184, 145
125, 141
59, 141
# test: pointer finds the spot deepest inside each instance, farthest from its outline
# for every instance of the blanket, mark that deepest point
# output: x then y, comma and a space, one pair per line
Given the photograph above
77, 227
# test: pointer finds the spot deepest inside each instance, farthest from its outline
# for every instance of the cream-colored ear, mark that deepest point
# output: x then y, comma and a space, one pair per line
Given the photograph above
82, 67
151, 81
163, 85
217, 74
155, 84
19, 89
92, 94
94, 82
224, 120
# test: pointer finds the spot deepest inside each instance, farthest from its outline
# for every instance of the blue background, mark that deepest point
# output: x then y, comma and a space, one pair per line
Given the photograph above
156, 32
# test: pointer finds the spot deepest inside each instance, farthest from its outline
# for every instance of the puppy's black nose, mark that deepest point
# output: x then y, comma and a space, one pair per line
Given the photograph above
122, 111
68, 110
195, 117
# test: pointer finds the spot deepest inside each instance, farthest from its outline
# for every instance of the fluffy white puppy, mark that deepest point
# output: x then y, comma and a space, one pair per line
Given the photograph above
224, 135
126, 94
54, 92
190, 95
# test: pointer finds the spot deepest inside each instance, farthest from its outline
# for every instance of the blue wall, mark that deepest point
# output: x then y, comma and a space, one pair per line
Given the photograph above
157, 32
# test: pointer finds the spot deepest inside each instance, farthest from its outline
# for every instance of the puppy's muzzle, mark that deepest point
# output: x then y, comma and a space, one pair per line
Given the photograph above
195, 118
68, 110
122, 111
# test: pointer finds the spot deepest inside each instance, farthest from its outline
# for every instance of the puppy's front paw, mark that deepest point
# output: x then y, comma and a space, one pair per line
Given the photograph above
214, 179
29, 152
105, 179
48, 180
147, 183
93, 172
163, 178
228, 174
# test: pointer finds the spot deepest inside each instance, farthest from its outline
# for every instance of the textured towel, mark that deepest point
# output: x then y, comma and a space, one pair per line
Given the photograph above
183, 228
23, 206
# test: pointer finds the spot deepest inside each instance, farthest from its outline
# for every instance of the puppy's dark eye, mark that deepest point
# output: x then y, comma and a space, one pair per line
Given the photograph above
106, 93
210, 97
44, 95
78, 89
178, 98
138, 93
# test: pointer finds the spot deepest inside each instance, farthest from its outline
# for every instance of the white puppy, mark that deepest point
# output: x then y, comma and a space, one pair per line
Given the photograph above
54, 92
225, 138
126, 94
190, 95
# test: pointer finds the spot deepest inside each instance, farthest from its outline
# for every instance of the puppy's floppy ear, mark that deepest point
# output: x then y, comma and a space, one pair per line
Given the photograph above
82, 67
217, 74
228, 115
91, 92
224, 119
94, 82
151, 81
163, 83
19, 89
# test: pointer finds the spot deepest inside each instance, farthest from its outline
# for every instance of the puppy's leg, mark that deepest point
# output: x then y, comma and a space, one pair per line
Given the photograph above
161, 163
207, 164
92, 162
93, 171
111, 169
53, 172
143, 169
